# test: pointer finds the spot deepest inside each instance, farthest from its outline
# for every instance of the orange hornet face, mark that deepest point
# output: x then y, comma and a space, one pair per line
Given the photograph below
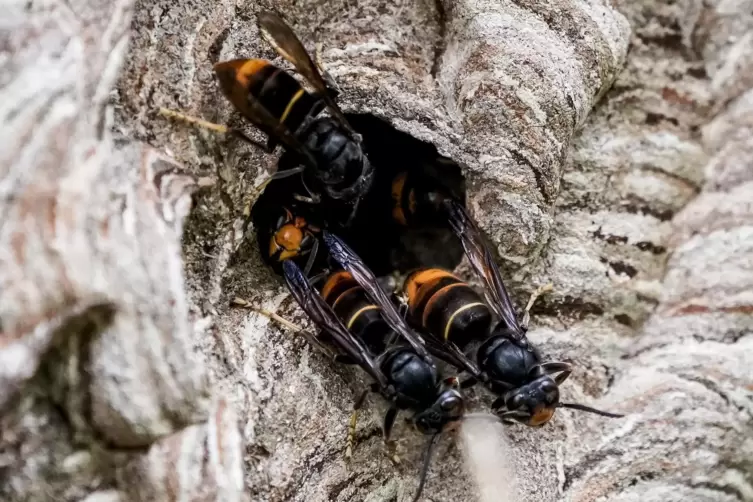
540, 416
286, 242
293, 237
532, 404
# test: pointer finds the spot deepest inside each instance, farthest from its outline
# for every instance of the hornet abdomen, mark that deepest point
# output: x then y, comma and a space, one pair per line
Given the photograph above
446, 307
281, 94
359, 315
415, 199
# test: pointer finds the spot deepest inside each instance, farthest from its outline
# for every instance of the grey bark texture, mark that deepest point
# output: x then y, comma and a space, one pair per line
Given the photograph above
622, 176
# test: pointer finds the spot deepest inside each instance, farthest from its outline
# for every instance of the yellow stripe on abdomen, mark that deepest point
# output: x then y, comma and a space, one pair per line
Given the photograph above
288, 108
353, 318
454, 314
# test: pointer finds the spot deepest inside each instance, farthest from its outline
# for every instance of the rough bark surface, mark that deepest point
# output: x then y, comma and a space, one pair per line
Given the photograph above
124, 373
98, 372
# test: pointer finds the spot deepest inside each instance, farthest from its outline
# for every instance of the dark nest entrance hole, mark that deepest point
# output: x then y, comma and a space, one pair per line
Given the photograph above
383, 244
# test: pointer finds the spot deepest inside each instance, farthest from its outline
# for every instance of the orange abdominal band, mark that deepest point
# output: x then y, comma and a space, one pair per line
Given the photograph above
434, 298
417, 284
335, 281
244, 68
397, 196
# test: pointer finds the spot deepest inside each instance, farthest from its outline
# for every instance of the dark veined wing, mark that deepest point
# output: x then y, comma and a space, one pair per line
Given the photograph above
366, 279
280, 36
451, 354
322, 315
233, 77
483, 263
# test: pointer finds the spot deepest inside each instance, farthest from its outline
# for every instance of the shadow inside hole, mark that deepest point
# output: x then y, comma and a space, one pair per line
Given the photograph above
383, 244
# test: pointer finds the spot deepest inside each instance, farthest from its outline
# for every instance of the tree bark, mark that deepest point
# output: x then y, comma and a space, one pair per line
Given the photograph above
98, 374
623, 177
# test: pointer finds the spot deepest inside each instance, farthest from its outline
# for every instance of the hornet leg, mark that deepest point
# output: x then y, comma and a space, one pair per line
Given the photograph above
546, 288
498, 404
389, 421
352, 424
312, 197
312, 258
320, 276
402, 305
222, 129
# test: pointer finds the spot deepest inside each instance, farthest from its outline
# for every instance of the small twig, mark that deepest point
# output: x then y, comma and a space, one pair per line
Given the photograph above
240, 302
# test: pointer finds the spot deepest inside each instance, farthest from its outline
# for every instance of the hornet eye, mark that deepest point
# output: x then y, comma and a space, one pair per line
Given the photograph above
516, 402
